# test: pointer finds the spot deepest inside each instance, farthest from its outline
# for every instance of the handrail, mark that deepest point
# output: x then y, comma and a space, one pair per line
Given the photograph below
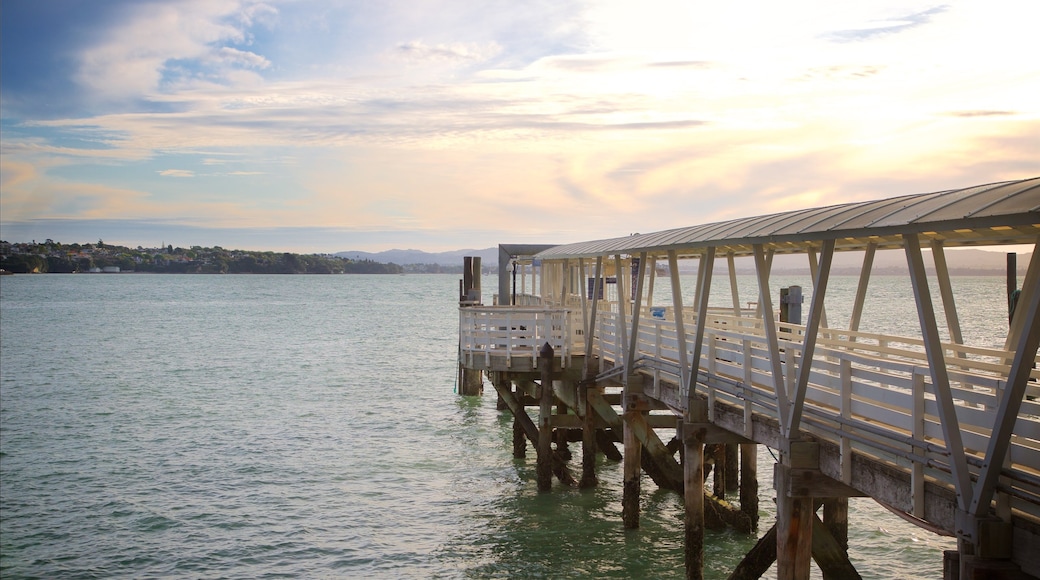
866, 391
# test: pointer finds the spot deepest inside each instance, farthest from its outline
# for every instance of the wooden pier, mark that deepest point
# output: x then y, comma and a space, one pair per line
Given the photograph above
946, 434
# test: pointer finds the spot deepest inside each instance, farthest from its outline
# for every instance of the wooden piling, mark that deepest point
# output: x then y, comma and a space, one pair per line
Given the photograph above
471, 381
749, 483
544, 467
732, 467
693, 496
632, 417
588, 440
794, 526
718, 454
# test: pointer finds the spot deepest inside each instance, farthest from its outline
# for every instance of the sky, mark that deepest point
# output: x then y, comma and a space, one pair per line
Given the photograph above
326, 126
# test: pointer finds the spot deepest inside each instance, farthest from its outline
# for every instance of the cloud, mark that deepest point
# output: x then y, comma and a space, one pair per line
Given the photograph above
152, 45
241, 58
177, 173
970, 114
417, 51
876, 28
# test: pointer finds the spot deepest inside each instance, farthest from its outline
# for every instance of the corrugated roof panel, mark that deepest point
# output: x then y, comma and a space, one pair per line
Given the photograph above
764, 225
864, 214
942, 203
1008, 199
798, 222
964, 216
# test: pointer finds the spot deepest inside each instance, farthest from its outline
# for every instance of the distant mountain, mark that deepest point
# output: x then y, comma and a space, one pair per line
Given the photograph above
967, 261
488, 257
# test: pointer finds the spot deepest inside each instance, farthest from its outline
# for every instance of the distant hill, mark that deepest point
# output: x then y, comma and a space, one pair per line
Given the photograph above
488, 257
961, 262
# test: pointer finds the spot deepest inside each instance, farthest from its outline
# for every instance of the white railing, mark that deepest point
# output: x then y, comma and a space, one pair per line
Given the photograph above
517, 332
866, 392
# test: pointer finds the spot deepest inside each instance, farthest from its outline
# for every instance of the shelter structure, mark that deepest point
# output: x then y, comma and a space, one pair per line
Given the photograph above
944, 433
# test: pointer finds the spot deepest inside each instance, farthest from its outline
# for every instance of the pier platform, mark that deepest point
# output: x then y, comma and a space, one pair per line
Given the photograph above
940, 431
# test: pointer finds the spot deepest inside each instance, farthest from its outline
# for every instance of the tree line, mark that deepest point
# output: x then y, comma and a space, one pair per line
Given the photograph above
53, 257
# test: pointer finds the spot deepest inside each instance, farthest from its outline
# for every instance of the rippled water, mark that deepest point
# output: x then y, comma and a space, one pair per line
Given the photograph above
304, 426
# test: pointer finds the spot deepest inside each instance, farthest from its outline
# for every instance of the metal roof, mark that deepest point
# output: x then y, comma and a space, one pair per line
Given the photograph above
998, 213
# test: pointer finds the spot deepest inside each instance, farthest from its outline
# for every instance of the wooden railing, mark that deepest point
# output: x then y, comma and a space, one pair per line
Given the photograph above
867, 393
518, 332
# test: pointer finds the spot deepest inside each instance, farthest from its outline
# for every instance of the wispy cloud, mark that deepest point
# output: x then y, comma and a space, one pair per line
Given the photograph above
177, 173
875, 28
457, 52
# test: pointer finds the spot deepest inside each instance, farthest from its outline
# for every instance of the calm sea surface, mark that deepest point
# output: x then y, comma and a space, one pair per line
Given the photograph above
307, 426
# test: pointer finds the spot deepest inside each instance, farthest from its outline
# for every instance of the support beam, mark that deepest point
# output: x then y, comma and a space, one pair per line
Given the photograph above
861, 289
680, 328
559, 466
703, 290
942, 276
637, 308
829, 554
809, 346
836, 520
765, 304
940, 377
1011, 398
622, 319
814, 271
758, 560
587, 385
1018, 323
734, 291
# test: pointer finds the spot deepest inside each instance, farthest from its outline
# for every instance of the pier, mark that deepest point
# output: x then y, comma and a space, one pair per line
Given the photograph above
940, 431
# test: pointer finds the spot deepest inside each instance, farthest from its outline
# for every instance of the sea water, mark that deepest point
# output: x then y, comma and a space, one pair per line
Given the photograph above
156, 426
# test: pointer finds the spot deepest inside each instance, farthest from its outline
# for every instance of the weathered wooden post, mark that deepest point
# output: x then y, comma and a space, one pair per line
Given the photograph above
791, 305
732, 467
588, 437
749, 482
471, 380
633, 460
794, 524
519, 437
1012, 284
544, 469
693, 489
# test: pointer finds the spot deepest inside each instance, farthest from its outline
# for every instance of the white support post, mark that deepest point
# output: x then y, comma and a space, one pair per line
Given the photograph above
814, 269
942, 275
703, 290
583, 292
622, 317
861, 289
811, 332
590, 328
637, 308
680, 327
940, 377
652, 266
765, 305
917, 430
733, 290
846, 415
1032, 280
1011, 399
